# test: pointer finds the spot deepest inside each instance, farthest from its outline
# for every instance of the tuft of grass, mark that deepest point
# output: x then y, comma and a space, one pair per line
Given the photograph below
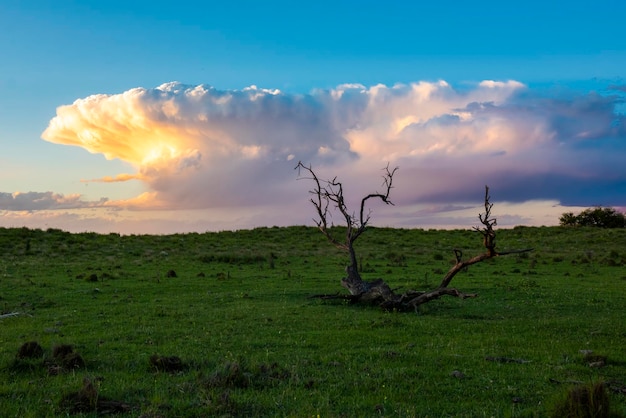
239, 374
583, 401
30, 349
166, 363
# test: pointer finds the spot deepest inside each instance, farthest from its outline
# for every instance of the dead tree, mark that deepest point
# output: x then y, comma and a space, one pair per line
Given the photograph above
328, 195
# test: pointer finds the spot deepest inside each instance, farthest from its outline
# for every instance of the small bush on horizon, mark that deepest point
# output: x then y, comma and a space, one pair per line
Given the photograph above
600, 217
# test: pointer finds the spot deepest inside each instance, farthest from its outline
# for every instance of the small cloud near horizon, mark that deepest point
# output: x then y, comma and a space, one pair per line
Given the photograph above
37, 201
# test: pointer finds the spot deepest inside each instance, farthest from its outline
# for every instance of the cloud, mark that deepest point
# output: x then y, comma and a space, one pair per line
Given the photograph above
618, 87
117, 179
106, 221
33, 201
197, 147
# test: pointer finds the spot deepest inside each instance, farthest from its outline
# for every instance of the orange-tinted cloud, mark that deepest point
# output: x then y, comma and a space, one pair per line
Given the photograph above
117, 179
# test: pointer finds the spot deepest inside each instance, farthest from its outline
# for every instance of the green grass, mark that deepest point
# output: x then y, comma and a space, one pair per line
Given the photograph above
252, 343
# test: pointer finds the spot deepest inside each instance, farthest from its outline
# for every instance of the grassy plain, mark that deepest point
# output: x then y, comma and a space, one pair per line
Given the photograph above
251, 342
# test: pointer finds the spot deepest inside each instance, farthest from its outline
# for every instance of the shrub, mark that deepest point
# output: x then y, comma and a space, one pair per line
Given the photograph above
598, 216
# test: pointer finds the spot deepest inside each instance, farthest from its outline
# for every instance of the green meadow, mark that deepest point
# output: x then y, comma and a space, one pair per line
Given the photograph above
223, 324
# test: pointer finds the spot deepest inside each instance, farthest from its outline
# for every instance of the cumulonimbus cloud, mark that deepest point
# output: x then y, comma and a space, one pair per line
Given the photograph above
198, 147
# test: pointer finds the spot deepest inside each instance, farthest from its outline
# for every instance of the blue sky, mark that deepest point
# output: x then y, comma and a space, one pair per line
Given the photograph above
163, 132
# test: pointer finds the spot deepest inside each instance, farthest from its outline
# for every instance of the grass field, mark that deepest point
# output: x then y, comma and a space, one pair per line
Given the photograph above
221, 324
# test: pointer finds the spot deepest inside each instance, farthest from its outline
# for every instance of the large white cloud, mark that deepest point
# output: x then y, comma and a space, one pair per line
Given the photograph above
198, 147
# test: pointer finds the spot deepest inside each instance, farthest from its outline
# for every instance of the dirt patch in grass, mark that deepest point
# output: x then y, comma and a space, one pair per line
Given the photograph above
594, 360
238, 374
87, 399
169, 364
221, 403
63, 358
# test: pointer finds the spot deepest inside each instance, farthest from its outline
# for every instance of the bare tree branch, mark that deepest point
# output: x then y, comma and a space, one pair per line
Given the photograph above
321, 199
489, 241
388, 183
330, 192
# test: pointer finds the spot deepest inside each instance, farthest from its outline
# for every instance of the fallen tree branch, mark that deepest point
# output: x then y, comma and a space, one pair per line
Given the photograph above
506, 360
437, 293
331, 296
569, 382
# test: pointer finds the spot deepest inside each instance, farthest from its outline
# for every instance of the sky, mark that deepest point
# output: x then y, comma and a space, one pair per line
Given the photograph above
161, 117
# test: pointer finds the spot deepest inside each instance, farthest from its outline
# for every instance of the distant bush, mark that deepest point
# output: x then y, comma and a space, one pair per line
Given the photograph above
598, 216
